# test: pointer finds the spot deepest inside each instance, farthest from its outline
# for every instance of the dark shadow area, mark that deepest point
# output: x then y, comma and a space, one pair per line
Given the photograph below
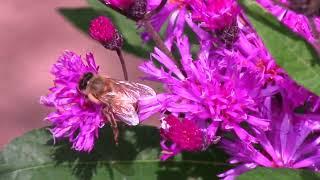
202, 165
309, 175
84, 165
137, 144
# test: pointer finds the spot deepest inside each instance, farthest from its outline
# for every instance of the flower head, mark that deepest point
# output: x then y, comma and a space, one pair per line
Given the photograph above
255, 57
214, 92
75, 117
215, 14
101, 29
292, 142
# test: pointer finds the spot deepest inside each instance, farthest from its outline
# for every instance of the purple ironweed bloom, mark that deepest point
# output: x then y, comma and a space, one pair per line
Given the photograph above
250, 51
256, 57
214, 92
298, 23
215, 14
292, 142
185, 135
75, 117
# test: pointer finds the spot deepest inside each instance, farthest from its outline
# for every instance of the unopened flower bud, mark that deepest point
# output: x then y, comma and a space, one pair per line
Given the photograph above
102, 30
137, 10
186, 134
228, 35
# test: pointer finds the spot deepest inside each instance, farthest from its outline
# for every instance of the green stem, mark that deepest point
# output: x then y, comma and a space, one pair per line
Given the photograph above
123, 64
156, 38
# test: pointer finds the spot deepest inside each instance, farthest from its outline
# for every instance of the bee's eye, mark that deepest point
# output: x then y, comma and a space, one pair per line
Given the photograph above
82, 85
84, 81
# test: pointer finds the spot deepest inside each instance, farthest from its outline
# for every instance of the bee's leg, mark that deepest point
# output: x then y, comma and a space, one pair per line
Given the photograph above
93, 99
113, 123
114, 126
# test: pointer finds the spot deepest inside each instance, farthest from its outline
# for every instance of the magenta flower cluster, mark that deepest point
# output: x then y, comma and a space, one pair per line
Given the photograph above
231, 84
75, 117
291, 142
222, 80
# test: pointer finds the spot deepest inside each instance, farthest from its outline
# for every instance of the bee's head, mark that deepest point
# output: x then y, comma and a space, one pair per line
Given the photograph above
83, 82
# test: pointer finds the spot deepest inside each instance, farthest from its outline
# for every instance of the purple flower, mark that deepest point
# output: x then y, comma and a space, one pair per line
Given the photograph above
121, 4
215, 92
298, 23
248, 50
215, 14
212, 15
75, 117
256, 57
292, 142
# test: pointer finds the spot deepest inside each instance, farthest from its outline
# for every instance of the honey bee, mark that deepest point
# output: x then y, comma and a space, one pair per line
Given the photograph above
119, 98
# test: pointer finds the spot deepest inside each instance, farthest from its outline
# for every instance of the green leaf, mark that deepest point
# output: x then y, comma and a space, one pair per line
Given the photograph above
81, 17
291, 52
96, 4
279, 174
33, 156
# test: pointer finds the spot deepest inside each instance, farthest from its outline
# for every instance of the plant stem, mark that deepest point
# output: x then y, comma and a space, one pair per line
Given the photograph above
123, 64
153, 33
156, 38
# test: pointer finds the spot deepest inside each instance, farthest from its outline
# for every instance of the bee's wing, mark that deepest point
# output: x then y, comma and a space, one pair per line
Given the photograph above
135, 90
123, 100
125, 112
122, 107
